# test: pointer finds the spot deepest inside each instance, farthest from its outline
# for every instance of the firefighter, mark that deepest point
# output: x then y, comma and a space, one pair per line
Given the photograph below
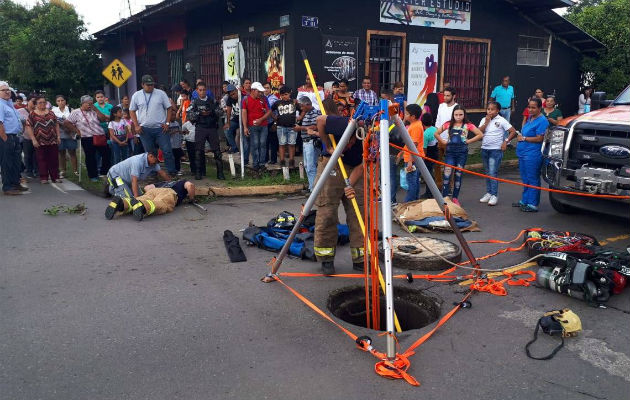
160, 198
335, 191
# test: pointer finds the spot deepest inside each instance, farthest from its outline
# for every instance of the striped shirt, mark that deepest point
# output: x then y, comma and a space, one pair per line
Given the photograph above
310, 119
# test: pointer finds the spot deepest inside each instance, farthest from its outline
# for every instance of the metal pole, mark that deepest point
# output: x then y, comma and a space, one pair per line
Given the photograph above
345, 138
79, 161
386, 212
241, 139
118, 94
437, 195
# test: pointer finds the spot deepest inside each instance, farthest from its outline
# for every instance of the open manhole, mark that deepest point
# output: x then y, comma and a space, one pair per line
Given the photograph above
414, 308
409, 254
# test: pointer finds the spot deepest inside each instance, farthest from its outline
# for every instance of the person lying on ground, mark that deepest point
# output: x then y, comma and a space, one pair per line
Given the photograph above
123, 179
160, 198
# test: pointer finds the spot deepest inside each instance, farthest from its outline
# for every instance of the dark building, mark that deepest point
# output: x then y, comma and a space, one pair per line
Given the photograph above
474, 44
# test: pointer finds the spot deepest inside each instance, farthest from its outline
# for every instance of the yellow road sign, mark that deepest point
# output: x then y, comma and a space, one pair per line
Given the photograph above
117, 73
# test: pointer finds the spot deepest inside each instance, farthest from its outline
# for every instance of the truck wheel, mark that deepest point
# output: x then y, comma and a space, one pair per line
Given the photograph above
560, 207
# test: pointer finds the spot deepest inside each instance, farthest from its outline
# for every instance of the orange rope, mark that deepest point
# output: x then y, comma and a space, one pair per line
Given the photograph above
601, 196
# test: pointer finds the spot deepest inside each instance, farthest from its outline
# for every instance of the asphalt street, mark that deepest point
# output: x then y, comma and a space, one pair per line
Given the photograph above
97, 309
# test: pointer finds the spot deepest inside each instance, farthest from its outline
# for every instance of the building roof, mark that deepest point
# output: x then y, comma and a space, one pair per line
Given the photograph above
540, 12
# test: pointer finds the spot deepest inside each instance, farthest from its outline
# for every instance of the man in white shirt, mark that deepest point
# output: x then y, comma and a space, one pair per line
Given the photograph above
445, 110
494, 128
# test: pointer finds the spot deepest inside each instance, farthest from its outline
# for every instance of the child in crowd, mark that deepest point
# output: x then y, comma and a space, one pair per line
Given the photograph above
189, 136
176, 144
400, 97
284, 115
454, 135
119, 130
307, 126
387, 94
130, 132
416, 131
185, 99
430, 146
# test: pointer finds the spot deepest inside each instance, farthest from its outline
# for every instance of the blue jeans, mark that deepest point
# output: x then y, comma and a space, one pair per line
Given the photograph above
120, 152
10, 162
529, 164
505, 113
310, 162
151, 137
491, 163
230, 135
457, 159
413, 183
394, 178
258, 142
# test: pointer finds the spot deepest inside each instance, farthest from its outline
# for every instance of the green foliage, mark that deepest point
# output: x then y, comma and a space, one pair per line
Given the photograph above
608, 22
55, 210
48, 48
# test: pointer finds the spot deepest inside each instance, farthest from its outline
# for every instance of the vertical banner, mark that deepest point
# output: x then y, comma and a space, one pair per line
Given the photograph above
340, 58
230, 47
423, 67
273, 51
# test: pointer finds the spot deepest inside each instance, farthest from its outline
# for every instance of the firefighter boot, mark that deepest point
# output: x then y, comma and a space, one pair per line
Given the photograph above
328, 267
115, 205
219, 163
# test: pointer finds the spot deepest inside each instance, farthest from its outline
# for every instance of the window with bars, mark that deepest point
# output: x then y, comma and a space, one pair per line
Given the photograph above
465, 67
211, 67
253, 58
385, 59
147, 66
176, 67
533, 50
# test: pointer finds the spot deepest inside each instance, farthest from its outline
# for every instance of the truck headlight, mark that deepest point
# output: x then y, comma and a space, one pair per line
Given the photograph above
556, 143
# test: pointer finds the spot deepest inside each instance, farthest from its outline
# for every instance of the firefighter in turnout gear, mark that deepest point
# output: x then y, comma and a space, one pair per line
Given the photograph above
203, 112
335, 191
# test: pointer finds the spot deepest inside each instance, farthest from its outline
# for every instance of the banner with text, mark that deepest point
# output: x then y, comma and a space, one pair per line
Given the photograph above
340, 58
423, 67
273, 50
445, 14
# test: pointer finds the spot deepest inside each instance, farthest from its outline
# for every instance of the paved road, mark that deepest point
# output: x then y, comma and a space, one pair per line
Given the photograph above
96, 309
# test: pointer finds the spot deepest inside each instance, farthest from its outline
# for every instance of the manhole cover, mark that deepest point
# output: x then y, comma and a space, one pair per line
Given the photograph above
409, 254
414, 308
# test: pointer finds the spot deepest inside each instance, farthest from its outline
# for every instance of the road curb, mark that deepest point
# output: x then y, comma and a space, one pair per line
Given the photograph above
221, 191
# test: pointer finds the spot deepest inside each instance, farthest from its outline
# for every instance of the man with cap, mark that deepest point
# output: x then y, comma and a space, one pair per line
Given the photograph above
256, 112
85, 121
150, 109
10, 150
232, 111
123, 181
160, 198
203, 112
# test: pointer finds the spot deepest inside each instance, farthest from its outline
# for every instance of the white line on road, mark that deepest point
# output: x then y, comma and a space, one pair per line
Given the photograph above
58, 188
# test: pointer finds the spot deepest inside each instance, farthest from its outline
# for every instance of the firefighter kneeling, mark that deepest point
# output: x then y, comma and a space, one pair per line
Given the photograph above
335, 191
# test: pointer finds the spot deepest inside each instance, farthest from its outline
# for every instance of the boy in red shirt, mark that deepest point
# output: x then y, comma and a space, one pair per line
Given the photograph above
416, 131
256, 112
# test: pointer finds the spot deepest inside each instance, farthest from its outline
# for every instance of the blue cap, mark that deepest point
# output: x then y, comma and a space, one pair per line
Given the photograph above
230, 87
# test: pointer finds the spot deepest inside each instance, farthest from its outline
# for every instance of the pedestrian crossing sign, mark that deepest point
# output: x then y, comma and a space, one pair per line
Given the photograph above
117, 73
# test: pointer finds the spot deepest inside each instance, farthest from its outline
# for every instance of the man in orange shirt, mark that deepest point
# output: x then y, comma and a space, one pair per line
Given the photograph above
416, 131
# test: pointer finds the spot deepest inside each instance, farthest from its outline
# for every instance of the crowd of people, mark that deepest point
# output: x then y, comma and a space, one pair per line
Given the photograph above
275, 127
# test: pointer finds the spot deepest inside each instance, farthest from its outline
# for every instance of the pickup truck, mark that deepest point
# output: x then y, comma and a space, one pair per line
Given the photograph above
590, 153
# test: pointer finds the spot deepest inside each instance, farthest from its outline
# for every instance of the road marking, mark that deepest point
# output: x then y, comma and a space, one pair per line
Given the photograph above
594, 351
58, 188
614, 239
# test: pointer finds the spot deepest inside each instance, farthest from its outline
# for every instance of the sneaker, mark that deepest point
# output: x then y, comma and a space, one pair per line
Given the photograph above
179, 173
518, 204
493, 201
328, 268
62, 174
528, 208
486, 197
115, 205
455, 201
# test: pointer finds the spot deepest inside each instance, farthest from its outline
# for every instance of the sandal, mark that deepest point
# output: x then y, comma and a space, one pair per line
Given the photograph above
43, 182
58, 181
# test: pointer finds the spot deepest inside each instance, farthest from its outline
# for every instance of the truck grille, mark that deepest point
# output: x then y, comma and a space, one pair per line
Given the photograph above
589, 138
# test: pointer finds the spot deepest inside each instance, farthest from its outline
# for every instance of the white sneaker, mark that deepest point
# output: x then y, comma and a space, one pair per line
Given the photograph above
486, 197
493, 201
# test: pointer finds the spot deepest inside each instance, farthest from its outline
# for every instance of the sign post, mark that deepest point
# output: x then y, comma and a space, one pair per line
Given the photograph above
117, 73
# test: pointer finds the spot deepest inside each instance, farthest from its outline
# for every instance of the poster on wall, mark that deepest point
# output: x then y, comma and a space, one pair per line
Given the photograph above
230, 47
445, 14
340, 58
422, 75
273, 51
